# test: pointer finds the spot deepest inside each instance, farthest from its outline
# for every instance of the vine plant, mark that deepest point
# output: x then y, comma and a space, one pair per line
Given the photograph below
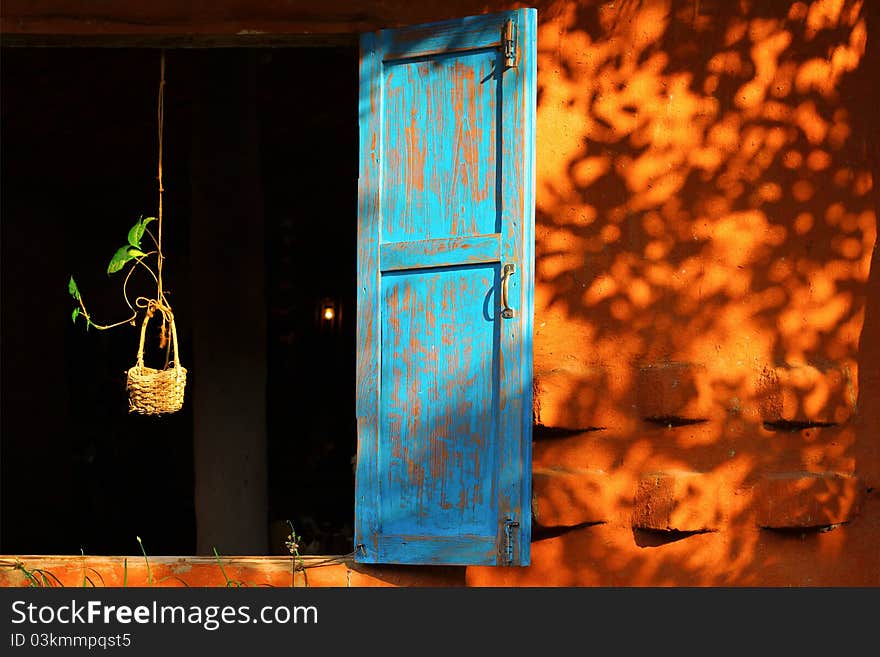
132, 252
136, 254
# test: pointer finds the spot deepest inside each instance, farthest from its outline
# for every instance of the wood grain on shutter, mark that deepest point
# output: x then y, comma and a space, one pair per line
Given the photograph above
444, 440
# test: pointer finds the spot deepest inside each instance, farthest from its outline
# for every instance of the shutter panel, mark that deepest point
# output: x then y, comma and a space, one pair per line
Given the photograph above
446, 201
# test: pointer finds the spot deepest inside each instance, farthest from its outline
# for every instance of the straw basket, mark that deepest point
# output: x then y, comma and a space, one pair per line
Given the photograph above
152, 391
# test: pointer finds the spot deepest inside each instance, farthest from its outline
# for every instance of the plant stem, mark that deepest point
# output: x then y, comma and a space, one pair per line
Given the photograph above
229, 582
147, 561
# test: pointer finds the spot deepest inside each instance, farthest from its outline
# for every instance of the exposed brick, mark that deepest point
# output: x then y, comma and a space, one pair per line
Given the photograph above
613, 555
671, 390
677, 500
576, 398
792, 500
565, 498
805, 393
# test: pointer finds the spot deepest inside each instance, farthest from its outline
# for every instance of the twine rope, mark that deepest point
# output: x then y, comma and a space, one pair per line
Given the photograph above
161, 128
160, 303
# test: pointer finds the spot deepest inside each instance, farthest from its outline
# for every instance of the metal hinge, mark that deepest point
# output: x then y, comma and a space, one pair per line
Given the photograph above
508, 42
510, 526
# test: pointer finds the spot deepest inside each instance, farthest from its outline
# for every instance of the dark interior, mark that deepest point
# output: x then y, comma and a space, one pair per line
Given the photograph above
79, 154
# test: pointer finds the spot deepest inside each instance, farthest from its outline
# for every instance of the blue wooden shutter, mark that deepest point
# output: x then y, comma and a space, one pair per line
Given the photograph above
446, 203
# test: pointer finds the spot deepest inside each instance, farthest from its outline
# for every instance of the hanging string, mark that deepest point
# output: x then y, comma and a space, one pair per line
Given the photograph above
161, 303
161, 123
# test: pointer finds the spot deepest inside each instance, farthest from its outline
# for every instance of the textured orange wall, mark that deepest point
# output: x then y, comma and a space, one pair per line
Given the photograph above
704, 315
706, 311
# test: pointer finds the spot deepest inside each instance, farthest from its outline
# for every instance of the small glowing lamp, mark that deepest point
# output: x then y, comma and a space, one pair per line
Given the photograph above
328, 315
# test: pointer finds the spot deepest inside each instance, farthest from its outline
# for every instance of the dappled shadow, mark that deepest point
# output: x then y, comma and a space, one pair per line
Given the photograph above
706, 218
714, 209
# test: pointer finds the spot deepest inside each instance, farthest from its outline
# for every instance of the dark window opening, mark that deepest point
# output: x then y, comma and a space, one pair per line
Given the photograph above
309, 134
78, 153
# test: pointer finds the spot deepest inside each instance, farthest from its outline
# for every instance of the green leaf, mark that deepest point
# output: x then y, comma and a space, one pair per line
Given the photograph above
135, 252
135, 234
71, 287
137, 231
75, 315
119, 259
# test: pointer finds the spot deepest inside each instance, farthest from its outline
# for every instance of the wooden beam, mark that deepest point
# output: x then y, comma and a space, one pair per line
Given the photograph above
222, 23
179, 40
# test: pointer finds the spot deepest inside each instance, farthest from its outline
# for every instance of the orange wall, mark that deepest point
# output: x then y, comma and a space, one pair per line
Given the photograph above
706, 220
706, 223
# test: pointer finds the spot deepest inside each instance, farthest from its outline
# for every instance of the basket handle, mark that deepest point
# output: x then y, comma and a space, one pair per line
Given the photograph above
169, 316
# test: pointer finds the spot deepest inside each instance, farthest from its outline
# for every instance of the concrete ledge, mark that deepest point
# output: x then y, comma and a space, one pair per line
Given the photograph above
677, 501
792, 500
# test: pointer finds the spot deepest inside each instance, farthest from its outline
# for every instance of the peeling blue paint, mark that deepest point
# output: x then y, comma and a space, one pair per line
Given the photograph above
446, 197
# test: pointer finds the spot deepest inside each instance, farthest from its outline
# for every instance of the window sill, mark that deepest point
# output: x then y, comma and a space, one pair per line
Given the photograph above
204, 571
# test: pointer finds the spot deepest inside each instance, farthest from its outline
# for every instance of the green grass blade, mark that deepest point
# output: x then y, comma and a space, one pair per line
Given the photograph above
33, 582
229, 582
147, 561
46, 574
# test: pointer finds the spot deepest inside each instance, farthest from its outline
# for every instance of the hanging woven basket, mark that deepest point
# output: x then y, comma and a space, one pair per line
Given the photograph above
153, 391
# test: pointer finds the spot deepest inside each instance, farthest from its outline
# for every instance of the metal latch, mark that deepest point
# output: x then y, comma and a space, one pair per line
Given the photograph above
510, 526
508, 41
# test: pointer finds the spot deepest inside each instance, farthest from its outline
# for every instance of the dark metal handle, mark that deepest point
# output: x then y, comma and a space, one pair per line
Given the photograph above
506, 272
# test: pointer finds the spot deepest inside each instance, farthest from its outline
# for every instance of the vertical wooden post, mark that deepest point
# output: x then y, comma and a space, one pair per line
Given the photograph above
229, 309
